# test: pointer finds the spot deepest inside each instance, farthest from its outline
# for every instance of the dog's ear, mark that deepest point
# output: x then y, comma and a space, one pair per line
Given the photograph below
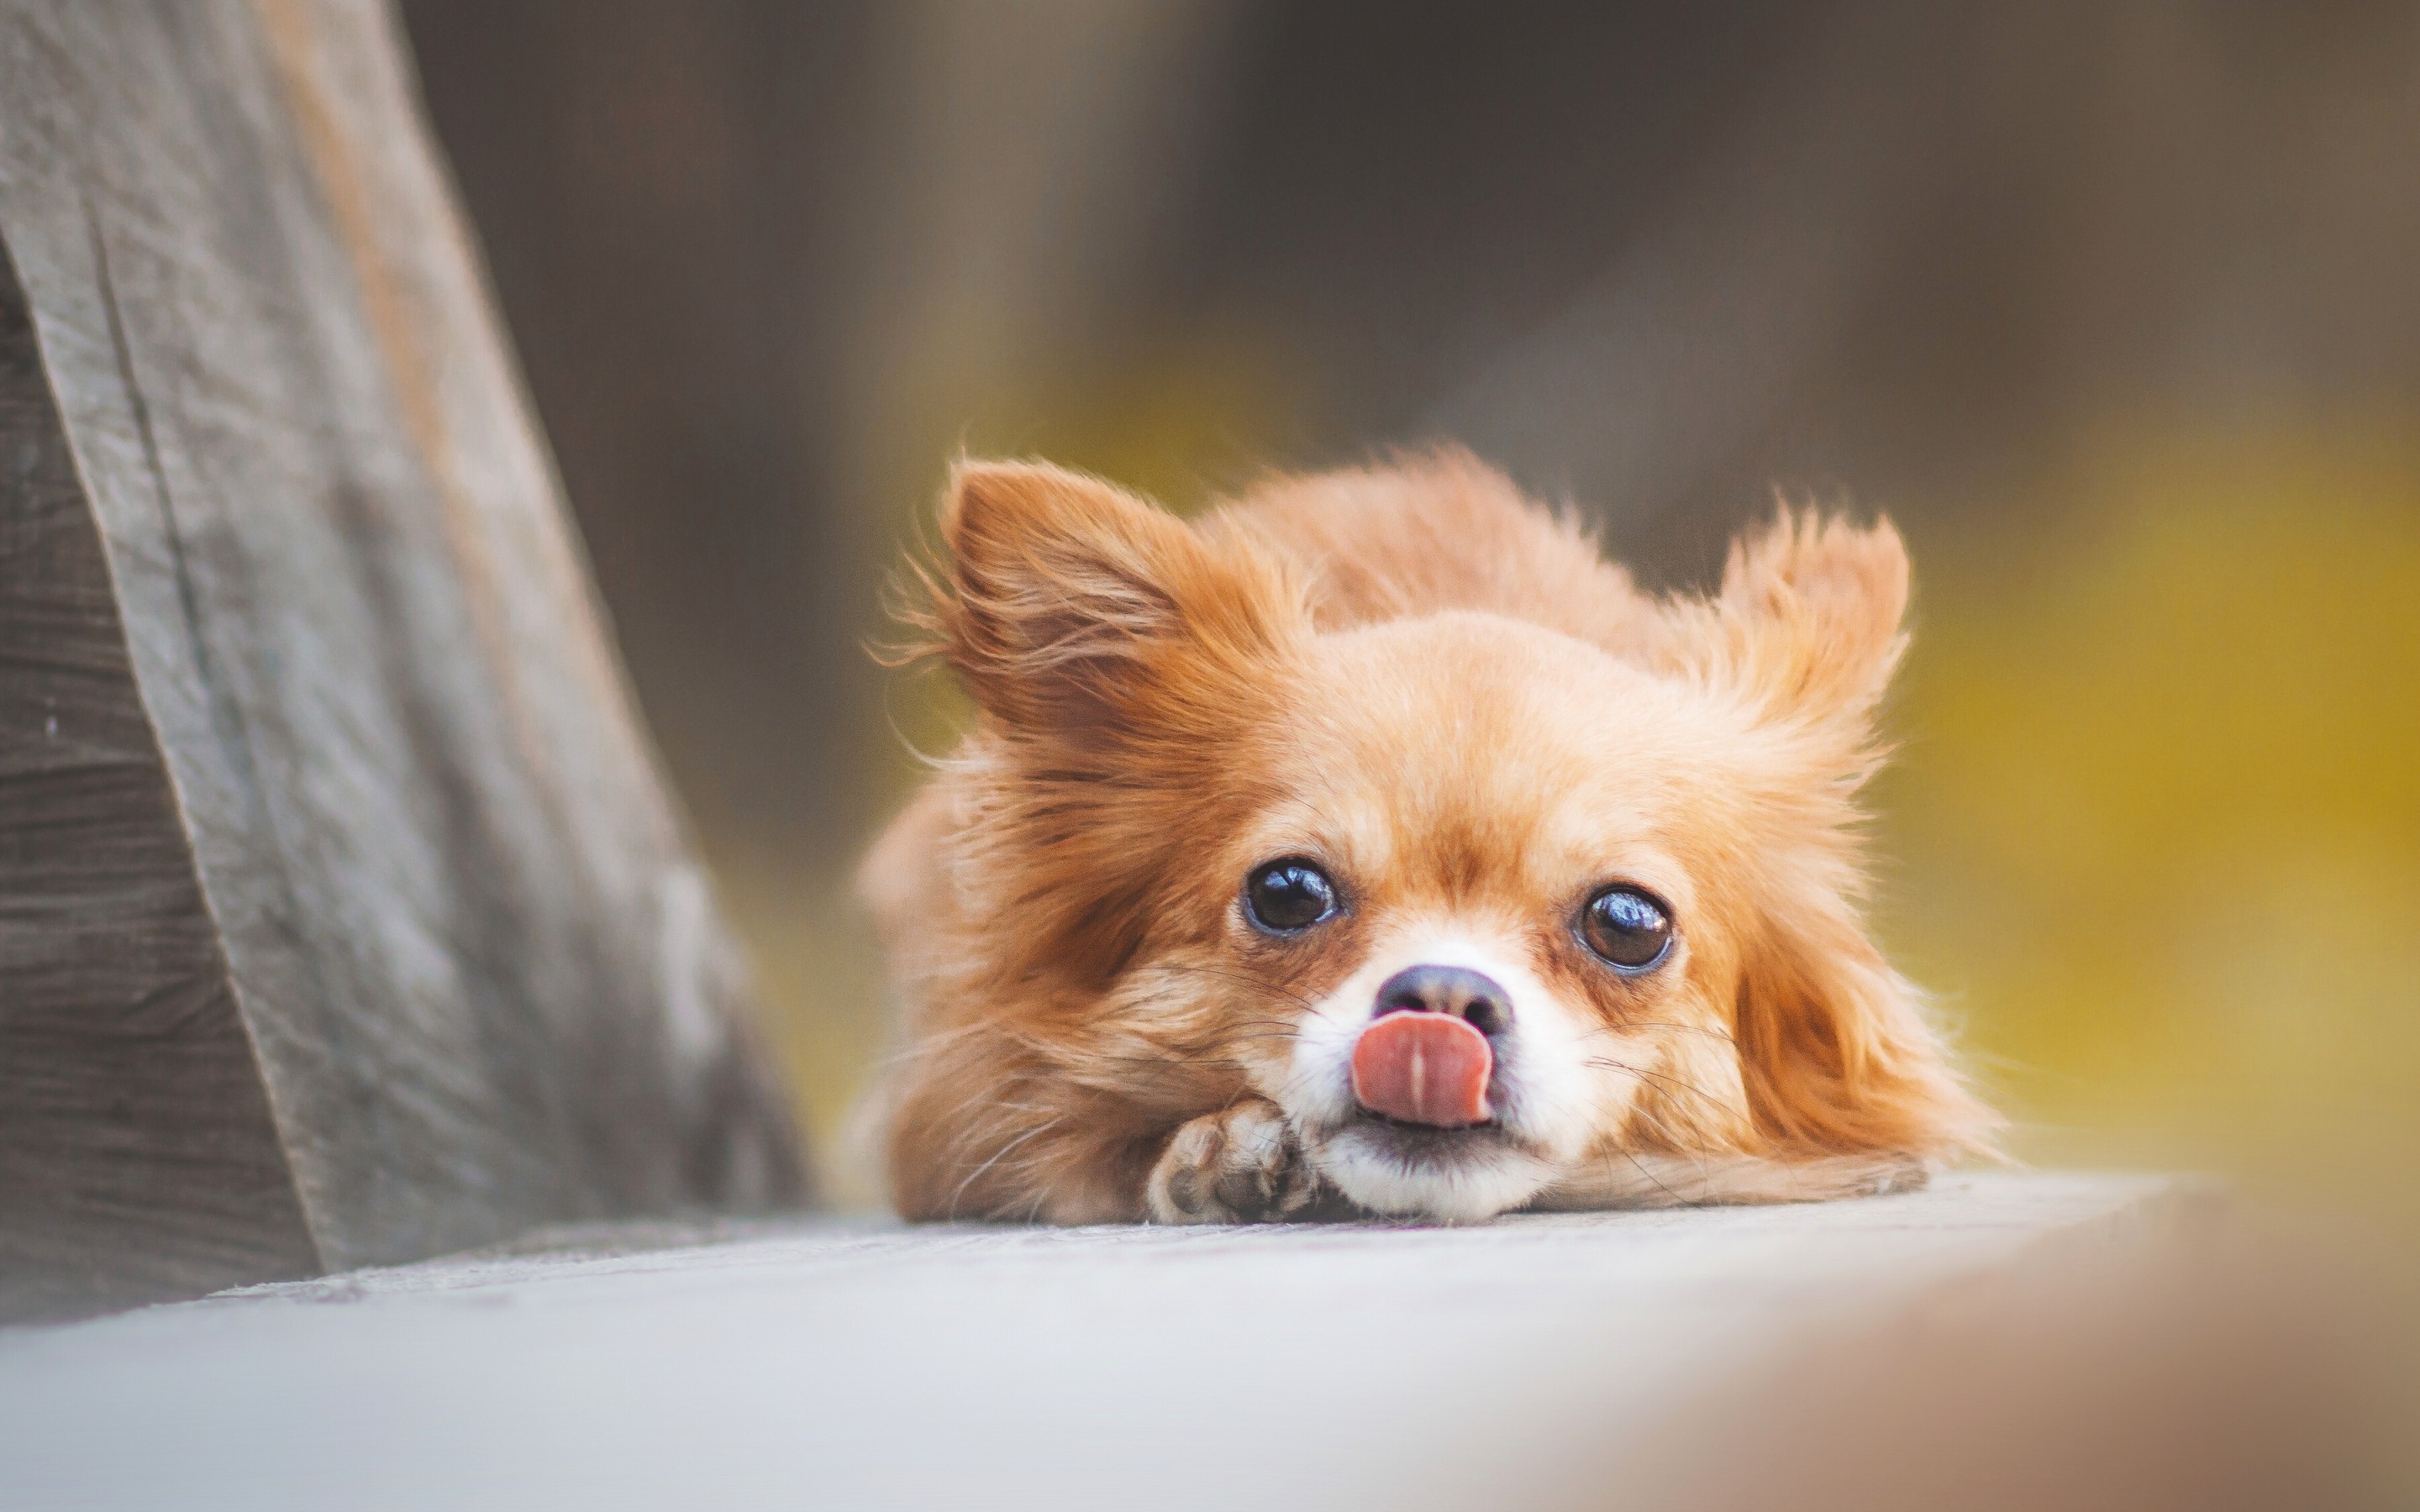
1835, 1047
1836, 1053
1064, 601
1807, 623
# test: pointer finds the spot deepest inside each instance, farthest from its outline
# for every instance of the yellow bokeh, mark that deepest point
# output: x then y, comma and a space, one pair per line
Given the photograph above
2154, 834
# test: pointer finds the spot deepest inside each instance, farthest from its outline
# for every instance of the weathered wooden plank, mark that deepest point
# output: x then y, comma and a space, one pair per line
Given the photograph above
452, 908
121, 1053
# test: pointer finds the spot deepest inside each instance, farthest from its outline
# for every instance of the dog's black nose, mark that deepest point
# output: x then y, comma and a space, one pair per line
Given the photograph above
1472, 997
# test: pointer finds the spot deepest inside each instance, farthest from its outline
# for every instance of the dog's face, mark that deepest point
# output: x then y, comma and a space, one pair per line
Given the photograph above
1472, 818
1480, 906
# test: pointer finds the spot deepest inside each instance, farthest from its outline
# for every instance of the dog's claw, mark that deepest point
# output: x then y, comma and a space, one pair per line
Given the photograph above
1240, 1164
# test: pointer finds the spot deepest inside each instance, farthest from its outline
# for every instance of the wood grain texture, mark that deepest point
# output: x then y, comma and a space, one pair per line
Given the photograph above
123, 1064
458, 918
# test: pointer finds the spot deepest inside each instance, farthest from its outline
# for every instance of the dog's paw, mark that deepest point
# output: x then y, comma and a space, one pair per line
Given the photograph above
1234, 1166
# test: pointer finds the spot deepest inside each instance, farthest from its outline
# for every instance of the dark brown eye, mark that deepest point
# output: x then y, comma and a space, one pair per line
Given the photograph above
1289, 896
1628, 929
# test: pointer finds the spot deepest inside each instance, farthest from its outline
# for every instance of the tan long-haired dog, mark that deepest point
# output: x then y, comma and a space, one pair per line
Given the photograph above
1372, 839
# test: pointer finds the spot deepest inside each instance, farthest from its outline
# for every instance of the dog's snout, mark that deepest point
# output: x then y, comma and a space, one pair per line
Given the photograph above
1471, 996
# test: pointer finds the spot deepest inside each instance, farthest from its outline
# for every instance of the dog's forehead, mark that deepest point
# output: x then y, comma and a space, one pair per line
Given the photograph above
1475, 746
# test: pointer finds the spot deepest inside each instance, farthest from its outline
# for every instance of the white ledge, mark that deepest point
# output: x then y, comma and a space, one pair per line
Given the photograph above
838, 1362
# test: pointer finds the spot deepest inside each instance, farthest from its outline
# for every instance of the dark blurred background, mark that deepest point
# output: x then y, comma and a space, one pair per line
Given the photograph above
2116, 308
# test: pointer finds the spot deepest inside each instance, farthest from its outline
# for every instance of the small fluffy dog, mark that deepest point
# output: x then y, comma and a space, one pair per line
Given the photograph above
1371, 839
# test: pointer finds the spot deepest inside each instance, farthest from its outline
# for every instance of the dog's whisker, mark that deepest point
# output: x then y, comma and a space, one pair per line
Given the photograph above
971, 1176
1657, 1077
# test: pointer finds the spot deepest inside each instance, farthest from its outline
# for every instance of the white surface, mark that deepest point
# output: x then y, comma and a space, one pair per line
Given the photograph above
854, 1364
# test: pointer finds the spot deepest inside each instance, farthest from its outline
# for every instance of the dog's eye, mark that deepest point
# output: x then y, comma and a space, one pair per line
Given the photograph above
1290, 895
1627, 928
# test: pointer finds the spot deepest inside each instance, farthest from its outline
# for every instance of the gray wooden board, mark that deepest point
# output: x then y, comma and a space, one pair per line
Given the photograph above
121, 1053
400, 838
856, 1364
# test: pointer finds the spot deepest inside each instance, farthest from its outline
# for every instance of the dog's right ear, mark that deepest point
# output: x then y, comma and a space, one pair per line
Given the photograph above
1066, 603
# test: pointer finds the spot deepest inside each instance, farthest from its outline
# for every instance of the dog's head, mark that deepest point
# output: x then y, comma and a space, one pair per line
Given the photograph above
1479, 904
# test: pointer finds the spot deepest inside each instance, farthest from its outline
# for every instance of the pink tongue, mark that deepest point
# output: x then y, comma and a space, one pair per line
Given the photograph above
1424, 1068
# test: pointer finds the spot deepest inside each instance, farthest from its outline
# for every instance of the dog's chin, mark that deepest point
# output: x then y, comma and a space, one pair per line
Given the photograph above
1453, 1176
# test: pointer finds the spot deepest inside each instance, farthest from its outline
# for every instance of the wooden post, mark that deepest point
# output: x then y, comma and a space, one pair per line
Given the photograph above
343, 917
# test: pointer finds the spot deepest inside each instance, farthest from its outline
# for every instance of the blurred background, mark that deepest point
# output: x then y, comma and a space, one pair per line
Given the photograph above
2115, 308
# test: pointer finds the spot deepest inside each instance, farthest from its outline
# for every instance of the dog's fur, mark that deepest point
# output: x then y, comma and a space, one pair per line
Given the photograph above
1444, 695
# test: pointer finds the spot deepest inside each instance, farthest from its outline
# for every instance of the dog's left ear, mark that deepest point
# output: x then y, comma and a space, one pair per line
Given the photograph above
1837, 1049
1807, 625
